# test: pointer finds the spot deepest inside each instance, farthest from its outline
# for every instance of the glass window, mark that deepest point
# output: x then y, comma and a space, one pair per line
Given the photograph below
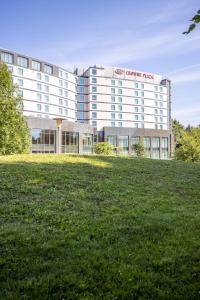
112, 124
87, 142
48, 69
119, 116
22, 61
161, 104
94, 97
112, 139
46, 108
39, 76
94, 123
66, 84
7, 58
161, 111
46, 88
119, 82
94, 106
161, 97
112, 82
156, 103
20, 93
94, 89
19, 82
120, 91
112, 107
39, 97
94, 115
66, 111
46, 78
113, 90
10, 69
66, 76
120, 99
46, 98
142, 85
94, 72
119, 124
120, 107
94, 80
112, 98
142, 94
81, 80
156, 88
60, 101
156, 96
155, 147
60, 92
123, 144
20, 71
156, 111
161, 89
142, 109
136, 109
136, 93
136, 101
81, 89
39, 107
66, 103
66, 94
112, 115
161, 119
60, 73
60, 110
43, 141
136, 85
136, 125
36, 65
60, 82
136, 117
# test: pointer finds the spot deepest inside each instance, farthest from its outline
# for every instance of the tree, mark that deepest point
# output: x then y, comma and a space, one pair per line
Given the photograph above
189, 149
14, 133
195, 20
139, 149
104, 148
178, 130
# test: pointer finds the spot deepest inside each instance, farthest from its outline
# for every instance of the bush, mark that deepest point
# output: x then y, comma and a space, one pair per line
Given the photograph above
139, 149
103, 148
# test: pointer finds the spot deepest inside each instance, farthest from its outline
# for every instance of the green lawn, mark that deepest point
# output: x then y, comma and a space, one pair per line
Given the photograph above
88, 227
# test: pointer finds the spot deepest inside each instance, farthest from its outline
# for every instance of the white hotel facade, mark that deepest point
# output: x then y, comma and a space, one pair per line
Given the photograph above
117, 105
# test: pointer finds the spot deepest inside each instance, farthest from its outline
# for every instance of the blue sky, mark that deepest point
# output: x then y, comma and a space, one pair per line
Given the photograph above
142, 35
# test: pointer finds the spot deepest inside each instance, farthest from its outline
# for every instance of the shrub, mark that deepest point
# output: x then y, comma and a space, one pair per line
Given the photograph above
103, 148
139, 149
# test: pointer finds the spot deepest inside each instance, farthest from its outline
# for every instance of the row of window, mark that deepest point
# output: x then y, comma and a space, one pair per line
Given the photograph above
24, 62
45, 108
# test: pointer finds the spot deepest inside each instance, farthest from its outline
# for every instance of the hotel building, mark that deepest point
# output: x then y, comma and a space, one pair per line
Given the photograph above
117, 105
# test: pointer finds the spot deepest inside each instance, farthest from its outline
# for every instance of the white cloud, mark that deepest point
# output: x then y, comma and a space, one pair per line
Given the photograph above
186, 74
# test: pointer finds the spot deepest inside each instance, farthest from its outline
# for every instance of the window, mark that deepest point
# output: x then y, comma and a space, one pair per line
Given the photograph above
66, 76
66, 84
20, 82
136, 125
112, 124
94, 72
94, 106
22, 61
161, 97
36, 65
119, 82
46, 88
46, 78
66, 94
43, 141
113, 90
46, 108
112, 107
60, 92
156, 119
156, 88
161, 119
66, 112
7, 58
81, 89
123, 144
120, 107
161, 89
112, 98
66, 103
156, 126
94, 123
156, 96
142, 117
161, 104
94, 89
82, 80
120, 99
39, 76
142, 94
112, 82
142, 109
39, 97
94, 97
46, 98
136, 109
112, 139
164, 147
142, 101
112, 115
136, 85
60, 74
60, 82
136, 93
119, 124
156, 103
60, 110
155, 147
60, 101
20, 72
10, 69
136, 101
48, 69
136, 117
142, 86
156, 111
20, 93
119, 116
161, 112
120, 91
39, 107
87, 141
94, 115
94, 80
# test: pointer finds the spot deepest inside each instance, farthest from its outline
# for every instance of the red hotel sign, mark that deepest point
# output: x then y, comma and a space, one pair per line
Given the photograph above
133, 73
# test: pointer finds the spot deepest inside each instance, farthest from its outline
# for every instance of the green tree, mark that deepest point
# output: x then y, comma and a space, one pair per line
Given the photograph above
104, 148
14, 133
195, 20
189, 149
178, 130
139, 149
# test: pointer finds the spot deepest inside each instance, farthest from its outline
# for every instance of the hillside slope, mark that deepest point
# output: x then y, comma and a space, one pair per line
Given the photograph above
88, 227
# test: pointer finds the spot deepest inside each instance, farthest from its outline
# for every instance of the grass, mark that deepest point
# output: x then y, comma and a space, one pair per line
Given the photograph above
89, 227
